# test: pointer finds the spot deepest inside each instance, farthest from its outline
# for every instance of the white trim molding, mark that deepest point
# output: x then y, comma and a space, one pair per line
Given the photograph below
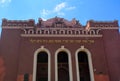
89, 62
35, 62
63, 49
45, 35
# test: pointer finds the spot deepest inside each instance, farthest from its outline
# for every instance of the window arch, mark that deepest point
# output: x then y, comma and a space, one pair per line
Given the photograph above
38, 31
41, 66
62, 31
92, 32
84, 66
63, 67
31, 31
69, 32
77, 32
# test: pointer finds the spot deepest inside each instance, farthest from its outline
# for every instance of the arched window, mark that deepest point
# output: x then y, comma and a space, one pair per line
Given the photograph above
30, 31
46, 32
84, 73
41, 70
63, 68
77, 32
38, 32
84, 67
69, 32
63, 65
61, 32
42, 66
92, 32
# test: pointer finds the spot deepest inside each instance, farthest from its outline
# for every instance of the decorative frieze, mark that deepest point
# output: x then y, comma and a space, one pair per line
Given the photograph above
61, 31
87, 41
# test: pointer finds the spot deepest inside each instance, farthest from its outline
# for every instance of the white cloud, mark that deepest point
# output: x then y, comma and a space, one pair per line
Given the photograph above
4, 2
59, 7
59, 10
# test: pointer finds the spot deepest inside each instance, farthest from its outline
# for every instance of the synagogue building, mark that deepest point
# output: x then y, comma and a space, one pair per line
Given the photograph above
59, 50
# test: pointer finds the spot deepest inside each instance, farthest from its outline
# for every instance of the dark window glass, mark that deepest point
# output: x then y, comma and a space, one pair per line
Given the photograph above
62, 57
83, 66
42, 57
42, 66
63, 68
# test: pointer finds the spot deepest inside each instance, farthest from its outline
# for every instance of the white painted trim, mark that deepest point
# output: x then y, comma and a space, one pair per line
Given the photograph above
35, 62
89, 62
45, 35
69, 61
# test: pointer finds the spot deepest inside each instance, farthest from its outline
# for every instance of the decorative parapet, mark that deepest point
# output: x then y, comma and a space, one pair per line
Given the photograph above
59, 26
103, 24
17, 23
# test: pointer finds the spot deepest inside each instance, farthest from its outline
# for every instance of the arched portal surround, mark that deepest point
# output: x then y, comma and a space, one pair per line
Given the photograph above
89, 62
35, 62
62, 49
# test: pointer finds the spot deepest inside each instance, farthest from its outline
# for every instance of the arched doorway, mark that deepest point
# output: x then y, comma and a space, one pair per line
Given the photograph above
63, 67
42, 66
84, 72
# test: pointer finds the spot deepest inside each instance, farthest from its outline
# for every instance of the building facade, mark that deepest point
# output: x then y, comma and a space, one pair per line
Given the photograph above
59, 50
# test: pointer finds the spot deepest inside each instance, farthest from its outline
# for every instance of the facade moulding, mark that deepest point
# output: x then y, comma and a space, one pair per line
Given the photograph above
77, 32
15, 27
31, 27
37, 35
109, 28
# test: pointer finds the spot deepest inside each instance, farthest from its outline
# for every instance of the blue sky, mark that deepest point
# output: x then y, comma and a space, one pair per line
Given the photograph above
82, 10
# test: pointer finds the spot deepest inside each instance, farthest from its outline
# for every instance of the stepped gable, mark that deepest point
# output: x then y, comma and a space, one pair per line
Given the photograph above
92, 23
58, 22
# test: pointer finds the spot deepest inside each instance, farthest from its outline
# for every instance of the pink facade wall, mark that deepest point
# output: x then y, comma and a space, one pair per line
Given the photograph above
18, 52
